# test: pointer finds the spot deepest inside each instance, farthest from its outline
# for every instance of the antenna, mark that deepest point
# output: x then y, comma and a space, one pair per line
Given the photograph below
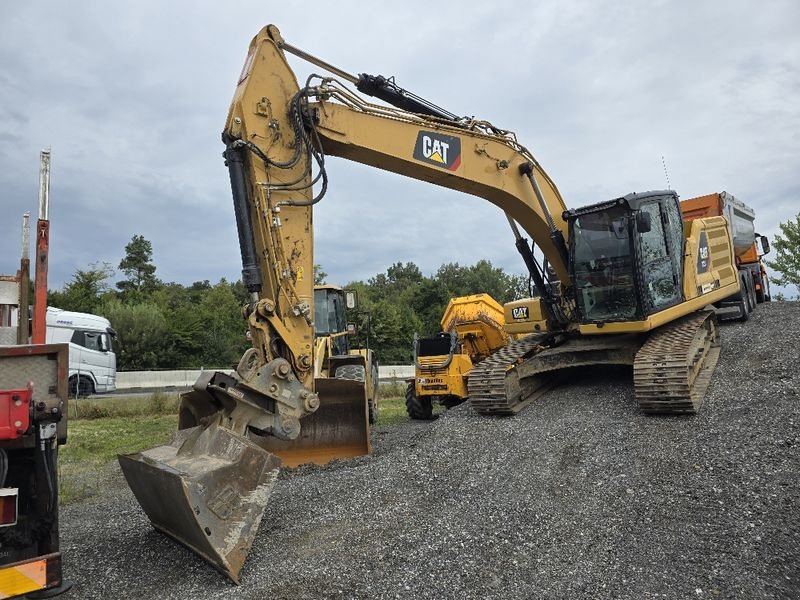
666, 173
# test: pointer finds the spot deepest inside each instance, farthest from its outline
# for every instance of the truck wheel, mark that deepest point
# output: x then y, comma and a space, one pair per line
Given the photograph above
81, 386
350, 372
752, 290
373, 411
744, 301
419, 409
373, 403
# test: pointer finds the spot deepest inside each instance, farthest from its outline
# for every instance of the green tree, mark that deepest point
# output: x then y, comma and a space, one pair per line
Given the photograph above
224, 331
142, 334
138, 267
484, 278
179, 305
787, 259
319, 275
84, 293
397, 282
428, 303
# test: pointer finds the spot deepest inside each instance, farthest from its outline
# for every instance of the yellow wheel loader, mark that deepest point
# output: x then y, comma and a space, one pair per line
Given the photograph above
472, 329
345, 378
626, 281
336, 357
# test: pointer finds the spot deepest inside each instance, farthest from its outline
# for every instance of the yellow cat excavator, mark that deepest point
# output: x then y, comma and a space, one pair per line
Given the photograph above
623, 281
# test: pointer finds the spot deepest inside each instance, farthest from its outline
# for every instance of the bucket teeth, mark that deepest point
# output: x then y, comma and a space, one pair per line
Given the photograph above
206, 489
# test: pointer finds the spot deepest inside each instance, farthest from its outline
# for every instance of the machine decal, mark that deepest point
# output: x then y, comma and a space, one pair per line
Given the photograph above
438, 149
708, 287
519, 312
703, 255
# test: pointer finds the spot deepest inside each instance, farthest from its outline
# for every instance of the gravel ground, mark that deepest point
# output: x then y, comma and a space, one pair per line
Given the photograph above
579, 496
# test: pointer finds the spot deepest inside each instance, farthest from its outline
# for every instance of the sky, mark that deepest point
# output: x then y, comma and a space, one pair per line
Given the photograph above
611, 98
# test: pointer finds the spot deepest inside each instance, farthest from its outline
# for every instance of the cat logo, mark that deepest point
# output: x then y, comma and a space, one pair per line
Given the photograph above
703, 255
519, 312
438, 149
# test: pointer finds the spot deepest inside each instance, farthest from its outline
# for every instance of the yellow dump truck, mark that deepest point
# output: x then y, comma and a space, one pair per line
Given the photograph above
472, 329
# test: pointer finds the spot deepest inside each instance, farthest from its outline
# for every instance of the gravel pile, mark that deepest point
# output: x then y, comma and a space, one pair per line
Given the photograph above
579, 496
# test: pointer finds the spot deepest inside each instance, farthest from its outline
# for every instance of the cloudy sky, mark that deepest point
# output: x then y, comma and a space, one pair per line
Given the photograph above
132, 96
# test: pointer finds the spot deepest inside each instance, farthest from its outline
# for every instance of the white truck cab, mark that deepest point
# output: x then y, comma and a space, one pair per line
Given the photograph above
92, 362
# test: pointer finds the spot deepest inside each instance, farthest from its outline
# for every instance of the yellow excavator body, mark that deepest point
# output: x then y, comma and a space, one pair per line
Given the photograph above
622, 281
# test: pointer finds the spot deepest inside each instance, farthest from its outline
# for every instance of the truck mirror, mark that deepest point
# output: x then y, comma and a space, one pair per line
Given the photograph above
351, 329
350, 299
643, 224
764, 245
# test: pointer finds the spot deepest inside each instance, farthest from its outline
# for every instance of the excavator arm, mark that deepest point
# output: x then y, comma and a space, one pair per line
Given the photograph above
215, 475
275, 118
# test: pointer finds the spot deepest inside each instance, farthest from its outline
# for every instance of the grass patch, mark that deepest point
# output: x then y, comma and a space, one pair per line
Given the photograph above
157, 403
392, 403
93, 444
391, 411
98, 430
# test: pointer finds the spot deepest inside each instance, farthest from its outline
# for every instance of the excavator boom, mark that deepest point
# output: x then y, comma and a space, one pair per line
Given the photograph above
610, 268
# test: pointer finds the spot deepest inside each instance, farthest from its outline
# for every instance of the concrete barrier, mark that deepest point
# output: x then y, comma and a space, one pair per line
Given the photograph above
392, 373
179, 379
184, 379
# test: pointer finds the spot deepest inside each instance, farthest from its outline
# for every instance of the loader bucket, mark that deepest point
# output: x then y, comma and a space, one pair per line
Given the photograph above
206, 489
339, 428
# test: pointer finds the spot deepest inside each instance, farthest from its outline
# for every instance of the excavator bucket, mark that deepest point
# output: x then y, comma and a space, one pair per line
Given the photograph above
339, 428
207, 489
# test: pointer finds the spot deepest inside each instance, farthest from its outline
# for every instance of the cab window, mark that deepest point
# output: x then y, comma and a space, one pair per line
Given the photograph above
90, 340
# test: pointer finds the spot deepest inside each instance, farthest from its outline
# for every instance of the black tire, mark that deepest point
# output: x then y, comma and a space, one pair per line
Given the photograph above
752, 290
419, 409
373, 403
350, 372
761, 297
744, 301
80, 386
372, 407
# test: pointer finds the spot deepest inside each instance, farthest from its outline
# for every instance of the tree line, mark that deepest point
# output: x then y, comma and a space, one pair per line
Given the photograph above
171, 326
163, 325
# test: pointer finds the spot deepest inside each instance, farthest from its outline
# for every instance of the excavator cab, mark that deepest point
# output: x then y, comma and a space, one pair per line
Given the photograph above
330, 316
626, 257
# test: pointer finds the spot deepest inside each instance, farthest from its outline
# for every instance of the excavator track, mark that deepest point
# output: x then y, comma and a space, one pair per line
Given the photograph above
673, 368
493, 384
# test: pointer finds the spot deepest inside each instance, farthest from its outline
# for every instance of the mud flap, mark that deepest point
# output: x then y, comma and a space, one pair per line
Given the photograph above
339, 428
206, 489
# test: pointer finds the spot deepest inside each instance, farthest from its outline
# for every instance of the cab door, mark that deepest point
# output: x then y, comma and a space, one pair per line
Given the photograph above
658, 263
93, 357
